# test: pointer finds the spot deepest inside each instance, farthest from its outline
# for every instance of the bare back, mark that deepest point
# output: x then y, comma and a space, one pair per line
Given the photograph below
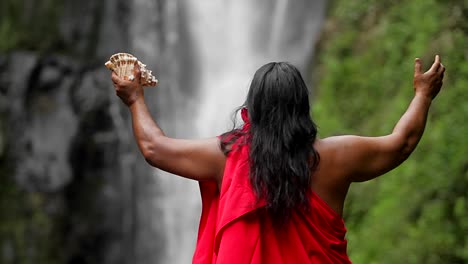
327, 180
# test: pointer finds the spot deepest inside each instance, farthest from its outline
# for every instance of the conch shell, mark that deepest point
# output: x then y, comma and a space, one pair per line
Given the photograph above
124, 63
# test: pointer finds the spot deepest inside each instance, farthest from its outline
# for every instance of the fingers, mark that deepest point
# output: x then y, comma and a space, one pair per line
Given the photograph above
119, 81
417, 66
136, 71
435, 66
115, 78
440, 72
441, 68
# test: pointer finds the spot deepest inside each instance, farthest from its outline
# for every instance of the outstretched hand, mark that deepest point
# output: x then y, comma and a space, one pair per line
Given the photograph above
128, 91
429, 82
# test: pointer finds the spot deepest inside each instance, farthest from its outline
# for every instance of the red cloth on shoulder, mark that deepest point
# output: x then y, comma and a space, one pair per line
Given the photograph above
235, 229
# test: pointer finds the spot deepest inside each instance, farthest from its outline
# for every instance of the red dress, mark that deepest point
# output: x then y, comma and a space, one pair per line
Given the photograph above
235, 229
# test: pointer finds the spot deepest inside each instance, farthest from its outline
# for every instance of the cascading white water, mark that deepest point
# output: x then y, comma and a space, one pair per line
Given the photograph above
234, 38
205, 60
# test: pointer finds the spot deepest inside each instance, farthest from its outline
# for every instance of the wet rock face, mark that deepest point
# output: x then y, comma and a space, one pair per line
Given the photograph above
43, 125
94, 30
62, 123
46, 102
67, 139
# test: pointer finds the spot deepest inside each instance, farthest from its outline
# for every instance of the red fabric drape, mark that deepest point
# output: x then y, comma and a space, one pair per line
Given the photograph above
235, 228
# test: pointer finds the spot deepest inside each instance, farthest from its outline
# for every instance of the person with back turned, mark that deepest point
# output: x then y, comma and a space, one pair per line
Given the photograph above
272, 191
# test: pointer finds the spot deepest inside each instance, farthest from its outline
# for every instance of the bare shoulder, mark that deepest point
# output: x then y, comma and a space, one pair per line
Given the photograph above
330, 148
343, 160
330, 165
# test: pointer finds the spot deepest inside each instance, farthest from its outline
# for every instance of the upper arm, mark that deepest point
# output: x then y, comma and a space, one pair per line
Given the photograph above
364, 158
199, 159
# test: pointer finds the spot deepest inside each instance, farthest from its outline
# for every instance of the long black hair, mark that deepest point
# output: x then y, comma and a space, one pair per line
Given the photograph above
281, 137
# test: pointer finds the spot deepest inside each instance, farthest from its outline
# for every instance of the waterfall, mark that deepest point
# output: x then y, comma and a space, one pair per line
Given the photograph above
205, 60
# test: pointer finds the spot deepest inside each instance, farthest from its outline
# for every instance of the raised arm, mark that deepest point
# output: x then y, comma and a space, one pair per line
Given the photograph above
364, 158
194, 159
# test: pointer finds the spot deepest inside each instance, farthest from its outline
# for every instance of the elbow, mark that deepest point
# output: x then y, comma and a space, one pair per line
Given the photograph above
150, 161
404, 147
156, 151
149, 153
404, 155
407, 147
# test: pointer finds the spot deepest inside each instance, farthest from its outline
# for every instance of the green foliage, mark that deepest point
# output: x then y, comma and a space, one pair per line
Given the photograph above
418, 213
29, 24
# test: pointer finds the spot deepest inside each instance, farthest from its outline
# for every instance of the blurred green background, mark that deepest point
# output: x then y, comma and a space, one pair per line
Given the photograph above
417, 213
362, 73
